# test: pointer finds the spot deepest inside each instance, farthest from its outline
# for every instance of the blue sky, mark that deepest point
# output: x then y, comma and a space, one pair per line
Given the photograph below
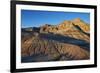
34, 18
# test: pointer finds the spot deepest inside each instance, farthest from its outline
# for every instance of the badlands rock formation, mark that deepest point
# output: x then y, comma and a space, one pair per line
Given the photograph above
69, 40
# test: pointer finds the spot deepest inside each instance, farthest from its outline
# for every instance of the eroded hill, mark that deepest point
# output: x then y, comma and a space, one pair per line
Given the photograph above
70, 40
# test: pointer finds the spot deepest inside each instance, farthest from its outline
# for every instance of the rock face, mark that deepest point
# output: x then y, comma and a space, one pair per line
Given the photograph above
67, 41
48, 29
84, 26
75, 28
67, 25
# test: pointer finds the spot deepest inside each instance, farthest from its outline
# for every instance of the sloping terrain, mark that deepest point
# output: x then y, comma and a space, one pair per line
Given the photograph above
75, 29
69, 40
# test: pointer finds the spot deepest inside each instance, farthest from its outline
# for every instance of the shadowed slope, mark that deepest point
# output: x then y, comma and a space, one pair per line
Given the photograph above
38, 49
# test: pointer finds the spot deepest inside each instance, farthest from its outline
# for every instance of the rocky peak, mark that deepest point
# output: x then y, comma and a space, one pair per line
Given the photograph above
77, 20
84, 26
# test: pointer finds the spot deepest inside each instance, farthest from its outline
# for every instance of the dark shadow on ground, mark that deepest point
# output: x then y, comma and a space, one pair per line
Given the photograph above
66, 39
